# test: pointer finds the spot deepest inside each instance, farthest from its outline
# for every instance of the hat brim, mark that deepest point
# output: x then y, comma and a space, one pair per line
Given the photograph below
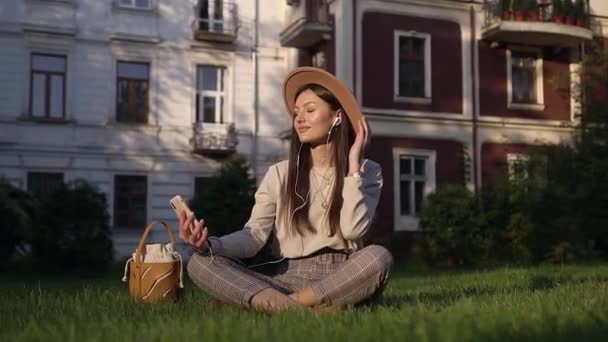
299, 77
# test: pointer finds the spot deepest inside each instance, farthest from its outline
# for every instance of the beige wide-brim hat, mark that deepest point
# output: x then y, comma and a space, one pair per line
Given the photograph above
299, 77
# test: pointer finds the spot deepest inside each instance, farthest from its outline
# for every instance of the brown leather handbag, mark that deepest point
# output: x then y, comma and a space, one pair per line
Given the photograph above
155, 271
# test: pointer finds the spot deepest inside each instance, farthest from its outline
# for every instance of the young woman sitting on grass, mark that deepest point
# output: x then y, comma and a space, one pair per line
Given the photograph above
316, 207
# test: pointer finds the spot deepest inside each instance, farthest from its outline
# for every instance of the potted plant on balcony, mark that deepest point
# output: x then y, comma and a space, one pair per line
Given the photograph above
580, 13
519, 10
569, 12
558, 11
531, 7
505, 5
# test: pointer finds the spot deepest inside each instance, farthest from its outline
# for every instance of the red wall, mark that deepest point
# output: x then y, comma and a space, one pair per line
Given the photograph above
378, 61
449, 170
493, 84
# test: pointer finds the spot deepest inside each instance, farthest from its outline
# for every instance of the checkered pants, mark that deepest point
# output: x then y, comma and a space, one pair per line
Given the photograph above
336, 278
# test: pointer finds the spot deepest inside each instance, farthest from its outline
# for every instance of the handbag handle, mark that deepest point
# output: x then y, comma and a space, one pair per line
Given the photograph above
144, 237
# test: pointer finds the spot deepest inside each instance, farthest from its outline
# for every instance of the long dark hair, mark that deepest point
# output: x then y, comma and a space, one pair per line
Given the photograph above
343, 136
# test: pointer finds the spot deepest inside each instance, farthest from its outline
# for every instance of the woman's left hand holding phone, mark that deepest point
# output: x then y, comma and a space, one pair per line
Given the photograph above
193, 231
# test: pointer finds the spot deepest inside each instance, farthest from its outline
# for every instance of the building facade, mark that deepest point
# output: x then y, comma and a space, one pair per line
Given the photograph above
456, 92
139, 97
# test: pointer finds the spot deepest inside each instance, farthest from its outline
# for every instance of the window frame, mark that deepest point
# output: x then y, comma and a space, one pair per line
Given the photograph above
410, 222
47, 90
149, 85
146, 197
133, 6
219, 95
427, 99
540, 98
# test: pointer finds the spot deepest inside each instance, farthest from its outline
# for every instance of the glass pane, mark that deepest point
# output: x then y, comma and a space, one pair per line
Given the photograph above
221, 109
404, 197
43, 183
48, 63
142, 3
405, 166
208, 109
38, 95
221, 80
207, 78
56, 99
141, 101
122, 101
130, 201
524, 86
419, 167
217, 13
126, 2
133, 70
418, 195
204, 13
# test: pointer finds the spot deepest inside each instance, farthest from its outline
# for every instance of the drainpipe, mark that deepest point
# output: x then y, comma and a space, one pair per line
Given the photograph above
256, 93
355, 49
474, 97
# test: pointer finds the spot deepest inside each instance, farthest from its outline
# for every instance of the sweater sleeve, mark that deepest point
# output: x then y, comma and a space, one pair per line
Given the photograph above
247, 242
360, 199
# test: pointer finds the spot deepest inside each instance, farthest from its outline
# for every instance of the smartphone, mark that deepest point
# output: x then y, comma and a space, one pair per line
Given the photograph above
178, 204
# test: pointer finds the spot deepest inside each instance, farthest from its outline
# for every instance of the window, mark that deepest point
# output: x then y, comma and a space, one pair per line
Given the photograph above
525, 77
132, 92
523, 167
412, 67
518, 166
211, 15
414, 172
130, 198
47, 86
43, 183
210, 94
136, 4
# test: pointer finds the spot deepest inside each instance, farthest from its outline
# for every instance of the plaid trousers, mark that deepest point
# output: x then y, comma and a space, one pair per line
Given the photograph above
335, 277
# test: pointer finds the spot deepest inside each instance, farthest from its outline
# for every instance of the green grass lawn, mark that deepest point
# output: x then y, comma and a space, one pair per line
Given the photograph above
549, 303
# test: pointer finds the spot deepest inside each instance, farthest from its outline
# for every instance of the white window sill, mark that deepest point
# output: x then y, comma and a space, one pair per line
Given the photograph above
134, 10
70, 3
413, 100
537, 107
407, 224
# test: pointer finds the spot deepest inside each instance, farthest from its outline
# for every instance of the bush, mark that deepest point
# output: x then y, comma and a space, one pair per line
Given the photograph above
225, 201
71, 229
16, 210
452, 232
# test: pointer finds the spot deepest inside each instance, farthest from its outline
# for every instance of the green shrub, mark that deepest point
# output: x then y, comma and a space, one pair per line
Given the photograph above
16, 210
71, 229
451, 227
225, 200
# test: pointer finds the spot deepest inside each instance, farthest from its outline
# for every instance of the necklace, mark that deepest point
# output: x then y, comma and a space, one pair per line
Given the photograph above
320, 189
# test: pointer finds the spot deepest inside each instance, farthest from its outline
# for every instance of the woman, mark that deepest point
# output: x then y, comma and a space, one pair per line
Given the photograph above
316, 207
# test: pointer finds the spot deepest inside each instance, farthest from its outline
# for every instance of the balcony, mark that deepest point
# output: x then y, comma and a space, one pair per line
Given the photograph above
538, 23
308, 24
214, 138
217, 21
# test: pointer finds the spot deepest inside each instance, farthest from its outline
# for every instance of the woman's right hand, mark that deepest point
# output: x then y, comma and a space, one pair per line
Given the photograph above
192, 231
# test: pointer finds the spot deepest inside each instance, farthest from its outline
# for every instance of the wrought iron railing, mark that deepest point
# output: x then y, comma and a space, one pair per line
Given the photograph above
575, 12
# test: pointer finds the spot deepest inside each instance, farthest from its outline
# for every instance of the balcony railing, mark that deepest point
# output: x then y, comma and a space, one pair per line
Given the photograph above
536, 22
217, 21
307, 24
214, 138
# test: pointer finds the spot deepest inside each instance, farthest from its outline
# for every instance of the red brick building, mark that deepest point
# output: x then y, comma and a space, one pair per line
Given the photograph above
455, 91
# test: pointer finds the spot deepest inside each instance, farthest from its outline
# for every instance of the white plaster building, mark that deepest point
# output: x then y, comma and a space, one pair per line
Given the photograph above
139, 97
